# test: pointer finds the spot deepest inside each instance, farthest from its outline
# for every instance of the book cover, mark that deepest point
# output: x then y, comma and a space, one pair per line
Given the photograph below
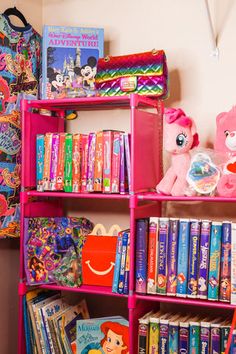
214, 267
107, 334
205, 336
193, 258
127, 268
122, 164
91, 162
162, 255
203, 267
215, 338
47, 161
68, 163
69, 61
233, 264
127, 138
98, 164
194, 335
61, 163
183, 251
164, 334
39, 161
54, 161
154, 324
124, 248
173, 343
184, 336
84, 162
117, 263
76, 163
143, 333
225, 263
115, 165
107, 160
152, 256
172, 257
141, 255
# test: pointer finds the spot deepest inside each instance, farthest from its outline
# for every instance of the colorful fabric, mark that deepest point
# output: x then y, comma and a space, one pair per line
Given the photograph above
19, 77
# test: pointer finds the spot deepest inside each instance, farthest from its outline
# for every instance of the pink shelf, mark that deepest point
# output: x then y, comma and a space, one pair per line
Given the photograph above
98, 290
159, 197
34, 193
186, 301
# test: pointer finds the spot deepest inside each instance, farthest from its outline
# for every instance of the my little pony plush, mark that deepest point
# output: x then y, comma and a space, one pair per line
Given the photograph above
180, 137
225, 142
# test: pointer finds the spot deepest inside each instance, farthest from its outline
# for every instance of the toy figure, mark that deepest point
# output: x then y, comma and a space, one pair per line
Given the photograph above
225, 142
180, 137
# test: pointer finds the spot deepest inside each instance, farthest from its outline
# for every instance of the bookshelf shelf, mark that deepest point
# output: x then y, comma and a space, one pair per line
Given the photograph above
93, 195
185, 301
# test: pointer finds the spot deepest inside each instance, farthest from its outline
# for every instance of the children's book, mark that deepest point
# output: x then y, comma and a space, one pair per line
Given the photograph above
143, 333
107, 334
69, 61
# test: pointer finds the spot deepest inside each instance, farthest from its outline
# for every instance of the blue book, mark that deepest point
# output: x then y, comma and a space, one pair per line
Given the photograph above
214, 267
127, 268
193, 258
125, 240
194, 335
27, 327
117, 263
141, 255
39, 161
69, 61
183, 251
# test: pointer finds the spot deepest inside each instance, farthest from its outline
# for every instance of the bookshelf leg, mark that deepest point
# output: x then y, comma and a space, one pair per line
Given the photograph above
227, 351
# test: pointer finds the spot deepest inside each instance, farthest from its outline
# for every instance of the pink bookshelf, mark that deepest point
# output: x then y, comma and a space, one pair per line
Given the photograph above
145, 126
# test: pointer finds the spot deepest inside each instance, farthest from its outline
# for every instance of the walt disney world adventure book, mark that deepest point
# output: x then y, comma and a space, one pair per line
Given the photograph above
69, 61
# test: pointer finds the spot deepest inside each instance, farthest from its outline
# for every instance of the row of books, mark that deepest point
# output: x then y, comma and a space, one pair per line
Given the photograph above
50, 322
52, 325
120, 282
186, 258
176, 333
94, 162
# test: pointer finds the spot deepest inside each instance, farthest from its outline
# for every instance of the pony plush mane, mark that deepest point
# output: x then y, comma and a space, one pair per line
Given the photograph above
177, 116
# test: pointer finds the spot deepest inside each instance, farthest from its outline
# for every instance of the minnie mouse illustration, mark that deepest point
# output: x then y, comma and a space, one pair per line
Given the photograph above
88, 72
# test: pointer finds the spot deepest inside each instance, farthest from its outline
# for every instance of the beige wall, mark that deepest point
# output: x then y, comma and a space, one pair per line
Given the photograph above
9, 249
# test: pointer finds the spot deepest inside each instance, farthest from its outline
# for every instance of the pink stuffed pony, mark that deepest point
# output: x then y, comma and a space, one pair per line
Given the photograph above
179, 137
225, 142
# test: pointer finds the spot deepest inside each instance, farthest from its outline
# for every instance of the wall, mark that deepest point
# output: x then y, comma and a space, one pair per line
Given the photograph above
9, 249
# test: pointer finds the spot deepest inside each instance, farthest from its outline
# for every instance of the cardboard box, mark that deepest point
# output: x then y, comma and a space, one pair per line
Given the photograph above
98, 260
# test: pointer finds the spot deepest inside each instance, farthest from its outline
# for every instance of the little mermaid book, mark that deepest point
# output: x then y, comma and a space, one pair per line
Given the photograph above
102, 336
69, 61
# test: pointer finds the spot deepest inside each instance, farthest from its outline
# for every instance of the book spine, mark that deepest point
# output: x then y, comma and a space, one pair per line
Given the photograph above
61, 163
127, 268
117, 263
224, 335
194, 337
84, 162
193, 259
39, 161
91, 160
173, 337
214, 267
141, 255
125, 241
143, 338
225, 264
127, 158
153, 336
68, 163
233, 264
152, 256
172, 257
107, 153
98, 164
162, 255
47, 161
233, 343
122, 164
184, 337
115, 175
164, 337
183, 251
205, 338
54, 161
204, 259
215, 339
76, 163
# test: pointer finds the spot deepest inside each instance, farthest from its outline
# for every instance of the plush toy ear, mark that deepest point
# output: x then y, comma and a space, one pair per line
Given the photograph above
220, 117
195, 140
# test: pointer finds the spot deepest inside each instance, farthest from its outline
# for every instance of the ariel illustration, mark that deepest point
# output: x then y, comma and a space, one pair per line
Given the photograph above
115, 340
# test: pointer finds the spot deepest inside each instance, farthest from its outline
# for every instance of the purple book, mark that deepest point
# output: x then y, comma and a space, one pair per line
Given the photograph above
141, 255
215, 339
204, 259
193, 258
162, 255
122, 164
172, 257
225, 263
91, 160
184, 337
205, 337
127, 158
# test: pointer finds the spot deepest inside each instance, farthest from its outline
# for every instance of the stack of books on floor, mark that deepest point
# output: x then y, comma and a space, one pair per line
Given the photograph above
52, 325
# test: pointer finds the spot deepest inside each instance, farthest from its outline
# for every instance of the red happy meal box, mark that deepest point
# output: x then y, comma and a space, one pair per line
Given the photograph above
98, 257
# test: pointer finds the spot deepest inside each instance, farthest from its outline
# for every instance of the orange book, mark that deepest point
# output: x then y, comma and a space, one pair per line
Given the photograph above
61, 163
152, 256
76, 163
98, 165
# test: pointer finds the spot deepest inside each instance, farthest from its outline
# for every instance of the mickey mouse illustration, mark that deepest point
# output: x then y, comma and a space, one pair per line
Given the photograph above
56, 80
88, 72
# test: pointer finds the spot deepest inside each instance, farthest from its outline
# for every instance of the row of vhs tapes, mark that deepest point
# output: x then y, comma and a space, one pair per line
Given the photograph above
94, 162
186, 258
180, 333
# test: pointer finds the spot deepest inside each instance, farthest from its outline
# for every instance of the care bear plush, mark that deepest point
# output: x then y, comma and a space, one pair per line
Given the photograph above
180, 137
225, 142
